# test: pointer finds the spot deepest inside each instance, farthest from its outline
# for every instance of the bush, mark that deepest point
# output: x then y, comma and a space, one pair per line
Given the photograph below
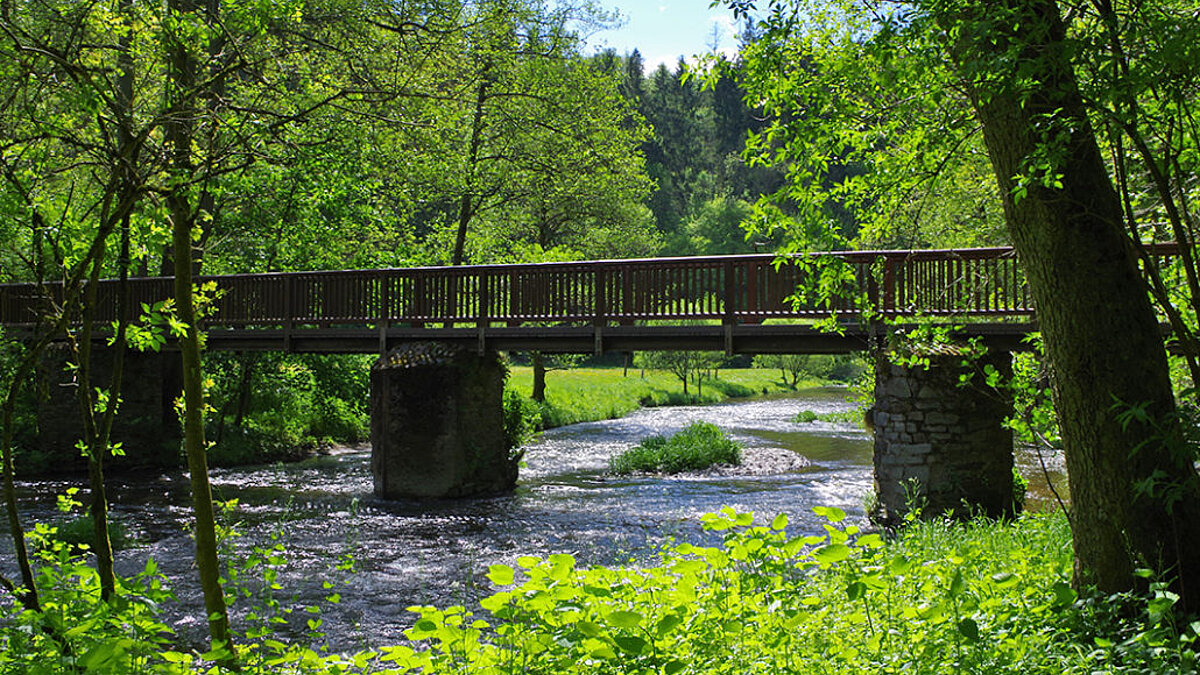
80, 531
522, 419
838, 417
336, 419
259, 444
697, 447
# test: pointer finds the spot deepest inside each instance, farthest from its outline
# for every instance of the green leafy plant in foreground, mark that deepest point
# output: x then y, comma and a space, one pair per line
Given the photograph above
976, 597
699, 446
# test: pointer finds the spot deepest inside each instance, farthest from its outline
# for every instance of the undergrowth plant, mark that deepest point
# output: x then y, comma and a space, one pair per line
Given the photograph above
699, 446
942, 597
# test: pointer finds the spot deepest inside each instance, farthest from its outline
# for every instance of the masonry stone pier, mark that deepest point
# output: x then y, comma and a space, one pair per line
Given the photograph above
147, 426
437, 423
940, 439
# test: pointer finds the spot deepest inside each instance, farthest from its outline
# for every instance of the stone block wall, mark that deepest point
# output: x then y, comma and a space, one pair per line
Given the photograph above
941, 443
437, 424
146, 426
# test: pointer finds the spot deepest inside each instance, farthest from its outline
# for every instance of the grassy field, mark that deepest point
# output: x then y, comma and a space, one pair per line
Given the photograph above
590, 394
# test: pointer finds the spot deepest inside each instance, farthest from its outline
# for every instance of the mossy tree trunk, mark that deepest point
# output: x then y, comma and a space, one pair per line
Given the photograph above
180, 136
1134, 492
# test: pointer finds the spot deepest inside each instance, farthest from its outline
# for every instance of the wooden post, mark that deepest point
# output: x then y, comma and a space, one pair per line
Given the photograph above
383, 321
889, 285
730, 316
626, 295
481, 317
600, 311
752, 268
288, 313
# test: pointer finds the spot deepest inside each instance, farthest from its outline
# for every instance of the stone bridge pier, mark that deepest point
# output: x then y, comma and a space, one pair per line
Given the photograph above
940, 439
146, 426
437, 423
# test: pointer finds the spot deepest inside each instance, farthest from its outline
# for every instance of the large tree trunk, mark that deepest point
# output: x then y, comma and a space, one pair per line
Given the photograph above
1100, 332
539, 377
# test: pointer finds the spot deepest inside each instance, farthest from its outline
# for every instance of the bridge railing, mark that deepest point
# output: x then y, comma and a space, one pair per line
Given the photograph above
733, 289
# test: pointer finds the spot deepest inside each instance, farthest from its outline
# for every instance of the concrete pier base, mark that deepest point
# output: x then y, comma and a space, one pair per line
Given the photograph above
437, 425
147, 426
941, 445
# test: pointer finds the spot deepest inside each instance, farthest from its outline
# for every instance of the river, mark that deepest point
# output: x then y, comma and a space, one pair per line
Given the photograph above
413, 552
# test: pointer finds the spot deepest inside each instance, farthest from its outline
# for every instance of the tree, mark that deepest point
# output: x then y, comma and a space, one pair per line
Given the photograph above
119, 117
791, 366
1135, 493
529, 133
683, 365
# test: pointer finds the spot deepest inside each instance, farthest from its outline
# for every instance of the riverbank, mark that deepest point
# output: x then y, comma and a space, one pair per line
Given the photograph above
594, 394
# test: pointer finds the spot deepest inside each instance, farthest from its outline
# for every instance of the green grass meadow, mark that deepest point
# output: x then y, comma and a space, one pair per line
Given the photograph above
591, 394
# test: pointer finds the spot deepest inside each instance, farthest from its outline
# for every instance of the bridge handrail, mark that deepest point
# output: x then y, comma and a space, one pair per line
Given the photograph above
732, 288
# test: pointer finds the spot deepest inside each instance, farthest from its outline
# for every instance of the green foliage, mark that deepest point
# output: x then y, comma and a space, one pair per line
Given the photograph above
796, 369
943, 597
699, 446
76, 632
1020, 489
695, 367
80, 533
979, 597
591, 394
522, 419
271, 407
846, 416
1034, 419
254, 443
878, 147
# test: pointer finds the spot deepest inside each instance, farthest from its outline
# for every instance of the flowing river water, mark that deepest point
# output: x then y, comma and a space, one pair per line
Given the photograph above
407, 553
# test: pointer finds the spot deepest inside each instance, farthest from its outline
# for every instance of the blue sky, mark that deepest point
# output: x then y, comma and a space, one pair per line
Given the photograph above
664, 30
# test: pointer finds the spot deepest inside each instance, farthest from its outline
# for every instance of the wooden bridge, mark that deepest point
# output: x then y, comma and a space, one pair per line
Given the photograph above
735, 304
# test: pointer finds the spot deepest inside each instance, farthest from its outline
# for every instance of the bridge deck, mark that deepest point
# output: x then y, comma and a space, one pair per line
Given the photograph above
660, 303
740, 339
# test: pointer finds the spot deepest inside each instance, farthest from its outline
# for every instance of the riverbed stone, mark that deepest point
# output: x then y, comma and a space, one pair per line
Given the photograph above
437, 424
941, 444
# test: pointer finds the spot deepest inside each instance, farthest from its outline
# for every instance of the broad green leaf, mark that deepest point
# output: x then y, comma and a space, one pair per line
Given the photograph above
589, 628
957, 584
667, 624
631, 644
830, 513
1005, 579
501, 575
869, 541
827, 555
1063, 594
623, 619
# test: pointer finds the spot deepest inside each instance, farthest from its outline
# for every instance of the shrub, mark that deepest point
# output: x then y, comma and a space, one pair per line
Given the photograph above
80, 531
255, 443
522, 419
334, 418
697, 447
843, 416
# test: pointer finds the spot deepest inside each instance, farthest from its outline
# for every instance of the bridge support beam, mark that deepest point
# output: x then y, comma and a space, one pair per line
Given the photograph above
941, 444
147, 426
437, 423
